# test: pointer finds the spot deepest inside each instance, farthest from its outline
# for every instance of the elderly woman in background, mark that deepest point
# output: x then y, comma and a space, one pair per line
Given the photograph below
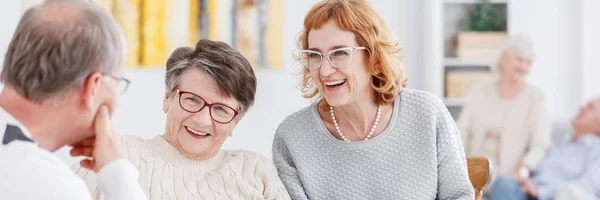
506, 120
367, 137
208, 90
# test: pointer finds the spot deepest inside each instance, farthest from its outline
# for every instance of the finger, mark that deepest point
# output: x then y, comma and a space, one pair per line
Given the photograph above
84, 151
88, 142
88, 164
75, 152
102, 123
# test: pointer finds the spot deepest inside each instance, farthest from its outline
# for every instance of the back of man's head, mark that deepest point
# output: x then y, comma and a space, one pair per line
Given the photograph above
59, 43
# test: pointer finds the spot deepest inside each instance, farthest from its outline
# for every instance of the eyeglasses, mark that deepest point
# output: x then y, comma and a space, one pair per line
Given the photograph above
122, 85
193, 103
338, 58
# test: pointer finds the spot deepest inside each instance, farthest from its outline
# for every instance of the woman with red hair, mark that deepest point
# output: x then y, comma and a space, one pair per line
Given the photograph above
365, 137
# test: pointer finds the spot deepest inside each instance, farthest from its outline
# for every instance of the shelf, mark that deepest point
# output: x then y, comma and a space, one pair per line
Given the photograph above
454, 102
460, 62
474, 1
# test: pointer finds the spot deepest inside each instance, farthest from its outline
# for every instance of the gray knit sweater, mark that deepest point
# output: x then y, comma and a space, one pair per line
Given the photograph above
418, 156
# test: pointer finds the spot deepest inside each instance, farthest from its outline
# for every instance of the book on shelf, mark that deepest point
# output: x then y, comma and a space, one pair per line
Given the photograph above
492, 39
479, 45
459, 83
476, 53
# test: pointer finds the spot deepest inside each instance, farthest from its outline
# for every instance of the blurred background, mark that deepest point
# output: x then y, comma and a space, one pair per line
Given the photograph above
450, 45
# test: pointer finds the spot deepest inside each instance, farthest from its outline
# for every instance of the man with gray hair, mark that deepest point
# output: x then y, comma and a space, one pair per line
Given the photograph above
62, 73
569, 170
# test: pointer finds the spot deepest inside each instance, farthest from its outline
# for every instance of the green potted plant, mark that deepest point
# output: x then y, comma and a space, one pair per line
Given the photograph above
485, 32
486, 17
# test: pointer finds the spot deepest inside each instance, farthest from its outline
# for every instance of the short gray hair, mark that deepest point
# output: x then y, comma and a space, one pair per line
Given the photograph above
58, 44
519, 45
230, 70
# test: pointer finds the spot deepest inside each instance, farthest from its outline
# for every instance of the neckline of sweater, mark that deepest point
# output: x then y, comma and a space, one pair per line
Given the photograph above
161, 149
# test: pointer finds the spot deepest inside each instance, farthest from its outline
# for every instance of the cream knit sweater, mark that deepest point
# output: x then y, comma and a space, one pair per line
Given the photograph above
166, 174
521, 126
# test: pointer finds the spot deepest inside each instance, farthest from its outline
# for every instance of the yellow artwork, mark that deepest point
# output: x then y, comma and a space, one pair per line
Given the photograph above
258, 32
106, 4
193, 23
155, 28
274, 35
167, 25
126, 14
154, 47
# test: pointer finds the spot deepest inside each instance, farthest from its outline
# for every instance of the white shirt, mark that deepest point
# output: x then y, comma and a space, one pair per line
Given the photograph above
28, 171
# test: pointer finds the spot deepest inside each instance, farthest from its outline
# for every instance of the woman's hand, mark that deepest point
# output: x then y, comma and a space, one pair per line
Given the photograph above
522, 173
528, 187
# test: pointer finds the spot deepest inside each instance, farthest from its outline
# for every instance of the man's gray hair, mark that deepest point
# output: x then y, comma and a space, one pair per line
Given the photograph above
58, 44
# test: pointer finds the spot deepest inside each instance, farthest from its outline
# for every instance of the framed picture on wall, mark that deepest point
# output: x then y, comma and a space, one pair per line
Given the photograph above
258, 32
155, 28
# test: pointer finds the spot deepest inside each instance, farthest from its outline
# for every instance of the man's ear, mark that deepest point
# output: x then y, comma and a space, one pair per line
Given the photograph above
91, 88
166, 101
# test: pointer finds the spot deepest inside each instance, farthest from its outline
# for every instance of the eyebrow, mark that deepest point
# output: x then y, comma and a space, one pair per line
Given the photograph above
332, 48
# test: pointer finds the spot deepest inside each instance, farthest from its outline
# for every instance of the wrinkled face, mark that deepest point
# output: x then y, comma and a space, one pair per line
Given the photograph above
588, 118
515, 66
339, 86
197, 135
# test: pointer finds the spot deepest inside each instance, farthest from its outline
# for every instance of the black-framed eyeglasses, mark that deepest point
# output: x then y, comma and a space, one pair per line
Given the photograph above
122, 84
338, 58
193, 103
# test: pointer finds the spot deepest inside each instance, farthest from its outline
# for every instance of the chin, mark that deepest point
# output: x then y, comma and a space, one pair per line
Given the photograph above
518, 77
336, 98
337, 101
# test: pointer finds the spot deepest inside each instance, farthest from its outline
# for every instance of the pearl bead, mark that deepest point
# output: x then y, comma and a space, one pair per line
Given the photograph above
337, 127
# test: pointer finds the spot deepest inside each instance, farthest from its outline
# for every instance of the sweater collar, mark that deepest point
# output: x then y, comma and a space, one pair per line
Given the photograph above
161, 149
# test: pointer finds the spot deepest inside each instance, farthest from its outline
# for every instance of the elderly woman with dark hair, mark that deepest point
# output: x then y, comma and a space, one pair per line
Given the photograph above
208, 90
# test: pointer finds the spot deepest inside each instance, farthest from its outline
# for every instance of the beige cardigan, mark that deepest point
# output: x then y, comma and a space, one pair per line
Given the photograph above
166, 174
524, 129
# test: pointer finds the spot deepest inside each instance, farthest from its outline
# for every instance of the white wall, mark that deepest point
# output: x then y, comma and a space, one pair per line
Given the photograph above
11, 10
590, 41
560, 65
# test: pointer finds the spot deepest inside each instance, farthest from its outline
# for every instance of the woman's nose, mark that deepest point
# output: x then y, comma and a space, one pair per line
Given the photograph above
203, 117
326, 68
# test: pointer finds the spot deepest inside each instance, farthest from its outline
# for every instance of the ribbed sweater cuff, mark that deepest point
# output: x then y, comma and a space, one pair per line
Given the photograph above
118, 180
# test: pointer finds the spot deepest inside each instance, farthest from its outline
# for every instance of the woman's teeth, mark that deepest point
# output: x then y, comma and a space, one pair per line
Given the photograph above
335, 83
196, 132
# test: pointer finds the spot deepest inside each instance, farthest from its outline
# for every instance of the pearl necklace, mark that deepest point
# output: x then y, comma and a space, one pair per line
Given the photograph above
337, 126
